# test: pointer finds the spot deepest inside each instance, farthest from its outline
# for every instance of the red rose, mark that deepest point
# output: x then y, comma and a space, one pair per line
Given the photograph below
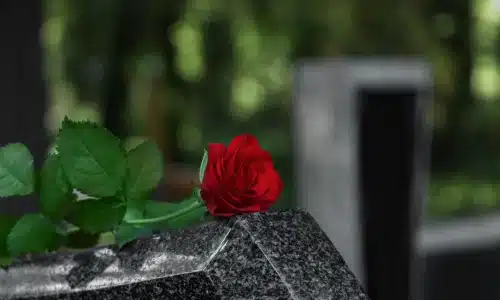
240, 178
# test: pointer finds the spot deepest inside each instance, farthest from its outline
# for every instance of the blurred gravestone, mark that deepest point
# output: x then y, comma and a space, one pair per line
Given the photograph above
462, 258
362, 145
22, 86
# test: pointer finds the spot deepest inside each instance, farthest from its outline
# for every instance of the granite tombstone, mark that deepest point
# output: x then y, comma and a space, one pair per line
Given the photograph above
273, 255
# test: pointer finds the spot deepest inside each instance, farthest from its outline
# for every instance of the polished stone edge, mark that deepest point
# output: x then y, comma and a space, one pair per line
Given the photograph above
258, 226
107, 266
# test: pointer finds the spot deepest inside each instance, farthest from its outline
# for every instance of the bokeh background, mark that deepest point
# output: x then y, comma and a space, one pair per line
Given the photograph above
191, 71
188, 72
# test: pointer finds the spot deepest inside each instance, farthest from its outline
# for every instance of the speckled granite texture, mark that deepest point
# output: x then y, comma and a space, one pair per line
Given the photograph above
275, 255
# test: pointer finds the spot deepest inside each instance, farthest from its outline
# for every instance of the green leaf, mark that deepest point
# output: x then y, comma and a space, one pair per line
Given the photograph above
6, 224
144, 172
92, 158
149, 209
56, 194
33, 233
17, 177
97, 215
106, 238
5, 261
126, 233
135, 209
192, 217
156, 209
65, 228
131, 142
203, 165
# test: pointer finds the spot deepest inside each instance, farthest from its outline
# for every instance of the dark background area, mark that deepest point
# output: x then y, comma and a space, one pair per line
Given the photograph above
386, 129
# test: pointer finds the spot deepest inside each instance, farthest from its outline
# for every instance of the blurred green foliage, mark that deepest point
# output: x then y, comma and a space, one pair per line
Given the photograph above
222, 68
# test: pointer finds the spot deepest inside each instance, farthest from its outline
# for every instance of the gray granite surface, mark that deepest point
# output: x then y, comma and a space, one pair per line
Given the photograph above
274, 255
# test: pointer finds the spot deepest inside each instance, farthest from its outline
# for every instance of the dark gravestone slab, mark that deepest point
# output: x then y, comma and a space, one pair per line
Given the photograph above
275, 255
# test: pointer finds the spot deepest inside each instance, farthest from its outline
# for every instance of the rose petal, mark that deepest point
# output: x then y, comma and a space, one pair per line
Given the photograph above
274, 185
241, 141
219, 206
215, 151
239, 144
246, 157
214, 170
254, 154
240, 178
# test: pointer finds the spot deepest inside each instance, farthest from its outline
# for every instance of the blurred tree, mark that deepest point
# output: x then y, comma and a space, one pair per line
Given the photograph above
454, 24
22, 86
195, 71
